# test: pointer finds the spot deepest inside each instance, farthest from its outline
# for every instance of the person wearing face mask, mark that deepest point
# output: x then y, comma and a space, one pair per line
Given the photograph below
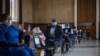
66, 32
73, 35
80, 33
53, 34
11, 39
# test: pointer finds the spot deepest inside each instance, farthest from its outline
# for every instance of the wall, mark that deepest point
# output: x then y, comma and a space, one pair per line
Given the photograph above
41, 25
87, 13
27, 10
45, 10
99, 19
0, 7
6, 7
99, 10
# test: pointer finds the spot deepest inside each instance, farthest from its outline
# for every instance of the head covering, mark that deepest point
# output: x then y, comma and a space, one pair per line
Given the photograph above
67, 25
37, 30
3, 16
53, 20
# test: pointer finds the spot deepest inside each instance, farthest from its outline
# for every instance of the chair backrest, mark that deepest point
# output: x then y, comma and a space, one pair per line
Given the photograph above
27, 39
37, 41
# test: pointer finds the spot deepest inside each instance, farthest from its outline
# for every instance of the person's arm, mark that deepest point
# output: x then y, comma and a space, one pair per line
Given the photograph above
6, 44
46, 33
21, 38
3, 41
60, 32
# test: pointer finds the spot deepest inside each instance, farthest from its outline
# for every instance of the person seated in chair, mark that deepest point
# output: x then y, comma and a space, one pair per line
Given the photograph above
66, 32
73, 35
80, 33
10, 36
54, 34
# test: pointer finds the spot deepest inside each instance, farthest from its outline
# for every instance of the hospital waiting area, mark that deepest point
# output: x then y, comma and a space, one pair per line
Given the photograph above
49, 27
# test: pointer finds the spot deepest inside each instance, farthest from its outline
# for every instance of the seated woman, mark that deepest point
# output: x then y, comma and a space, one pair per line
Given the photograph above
9, 39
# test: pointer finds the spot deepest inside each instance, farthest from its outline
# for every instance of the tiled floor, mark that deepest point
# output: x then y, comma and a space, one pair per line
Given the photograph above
85, 48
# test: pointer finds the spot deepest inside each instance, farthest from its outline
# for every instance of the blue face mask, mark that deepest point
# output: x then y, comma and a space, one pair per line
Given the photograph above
54, 23
8, 22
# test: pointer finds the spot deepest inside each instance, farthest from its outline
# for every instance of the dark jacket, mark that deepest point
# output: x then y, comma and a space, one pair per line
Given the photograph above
58, 32
69, 30
80, 34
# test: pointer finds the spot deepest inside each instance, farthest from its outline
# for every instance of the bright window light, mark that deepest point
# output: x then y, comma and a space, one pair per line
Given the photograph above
14, 10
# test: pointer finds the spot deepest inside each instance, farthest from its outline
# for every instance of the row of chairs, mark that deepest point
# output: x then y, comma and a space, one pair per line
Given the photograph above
38, 46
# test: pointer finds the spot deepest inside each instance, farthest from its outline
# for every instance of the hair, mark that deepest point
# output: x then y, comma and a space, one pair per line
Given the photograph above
53, 20
74, 27
4, 16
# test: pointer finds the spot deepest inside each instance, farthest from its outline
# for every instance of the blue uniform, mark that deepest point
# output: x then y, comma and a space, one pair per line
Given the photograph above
11, 35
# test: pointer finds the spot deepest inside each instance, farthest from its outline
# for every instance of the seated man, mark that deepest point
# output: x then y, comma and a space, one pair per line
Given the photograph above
73, 35
9, 39
53, 34
80, 33
66, 32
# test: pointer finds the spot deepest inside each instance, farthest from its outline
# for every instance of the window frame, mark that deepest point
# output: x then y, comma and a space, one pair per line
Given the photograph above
14, 10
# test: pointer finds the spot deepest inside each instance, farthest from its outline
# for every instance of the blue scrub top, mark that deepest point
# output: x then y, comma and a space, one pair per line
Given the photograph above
9, 34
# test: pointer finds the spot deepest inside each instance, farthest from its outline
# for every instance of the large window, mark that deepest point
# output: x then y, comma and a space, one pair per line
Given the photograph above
14, 10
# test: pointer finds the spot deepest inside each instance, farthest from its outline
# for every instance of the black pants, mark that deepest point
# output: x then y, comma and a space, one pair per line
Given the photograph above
65, 47
50, 52
50, 43
79, 39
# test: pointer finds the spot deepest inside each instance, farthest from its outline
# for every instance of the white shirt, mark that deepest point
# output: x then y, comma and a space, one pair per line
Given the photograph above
72, 31
52, 31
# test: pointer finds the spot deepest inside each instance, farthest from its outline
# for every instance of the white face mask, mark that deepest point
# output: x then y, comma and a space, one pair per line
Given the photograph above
8, 22
80, 30
68, 26
54, 23
66, 31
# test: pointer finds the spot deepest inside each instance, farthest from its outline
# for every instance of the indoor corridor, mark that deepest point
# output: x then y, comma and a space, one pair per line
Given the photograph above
85, 48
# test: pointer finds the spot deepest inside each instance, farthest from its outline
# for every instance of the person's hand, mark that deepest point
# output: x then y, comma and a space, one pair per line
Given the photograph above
63, 39
20, 45
52, 36
22, 42
66, 34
